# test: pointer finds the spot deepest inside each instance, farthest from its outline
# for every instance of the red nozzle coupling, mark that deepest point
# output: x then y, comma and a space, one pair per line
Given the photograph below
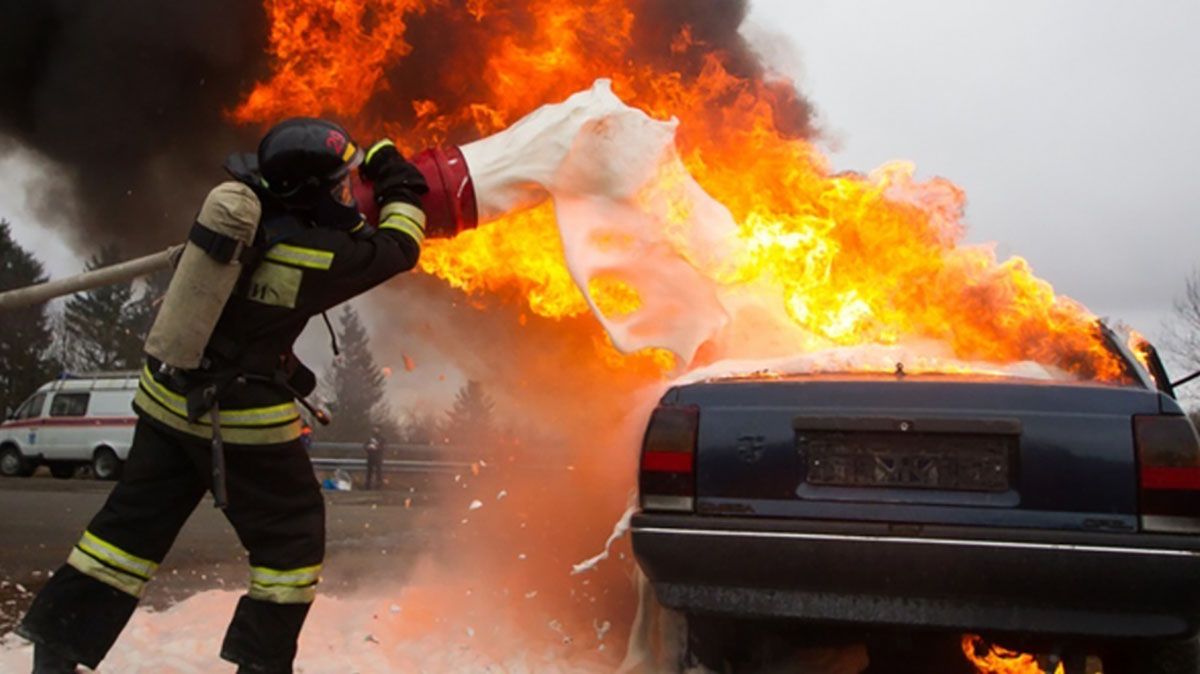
449, 206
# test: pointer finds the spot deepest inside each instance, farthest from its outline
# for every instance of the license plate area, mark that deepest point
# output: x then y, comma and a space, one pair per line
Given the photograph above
945, 455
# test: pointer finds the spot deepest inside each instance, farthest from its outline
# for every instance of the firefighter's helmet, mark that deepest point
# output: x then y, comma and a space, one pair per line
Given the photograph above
302, 157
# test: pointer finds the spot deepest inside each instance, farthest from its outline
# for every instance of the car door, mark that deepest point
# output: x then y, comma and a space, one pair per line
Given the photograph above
110, 409
26, 424
67, 431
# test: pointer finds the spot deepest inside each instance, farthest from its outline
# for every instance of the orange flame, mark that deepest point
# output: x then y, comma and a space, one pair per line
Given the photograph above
998, 660
1141, 349
857, 259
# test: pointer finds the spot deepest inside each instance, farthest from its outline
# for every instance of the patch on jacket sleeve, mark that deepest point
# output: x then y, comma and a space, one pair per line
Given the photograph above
275, 284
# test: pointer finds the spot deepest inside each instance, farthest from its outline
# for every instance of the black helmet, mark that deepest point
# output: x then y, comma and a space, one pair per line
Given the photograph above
302, 157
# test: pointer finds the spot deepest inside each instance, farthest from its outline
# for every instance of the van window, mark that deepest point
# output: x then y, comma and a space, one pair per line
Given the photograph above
114, 403
69, 405
32, 407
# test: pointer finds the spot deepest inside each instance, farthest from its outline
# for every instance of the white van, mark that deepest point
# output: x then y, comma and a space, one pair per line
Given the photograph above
70, 422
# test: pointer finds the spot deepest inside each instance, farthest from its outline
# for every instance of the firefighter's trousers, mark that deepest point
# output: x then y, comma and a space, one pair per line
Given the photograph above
275, 506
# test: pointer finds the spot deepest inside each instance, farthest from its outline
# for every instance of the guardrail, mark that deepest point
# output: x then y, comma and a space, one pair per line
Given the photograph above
444, 459
393, 466
414, 465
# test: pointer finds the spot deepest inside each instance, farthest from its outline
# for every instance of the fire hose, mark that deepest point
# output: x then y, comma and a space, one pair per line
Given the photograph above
450, 208
118, 273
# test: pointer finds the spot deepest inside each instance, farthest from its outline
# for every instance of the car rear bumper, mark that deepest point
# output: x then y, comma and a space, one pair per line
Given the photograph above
961, 578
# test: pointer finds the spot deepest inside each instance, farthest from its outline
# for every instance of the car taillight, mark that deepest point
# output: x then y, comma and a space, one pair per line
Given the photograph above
1168, 473
667, 478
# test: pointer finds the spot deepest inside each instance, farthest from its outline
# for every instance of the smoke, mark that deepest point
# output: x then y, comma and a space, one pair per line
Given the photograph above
126, 98
715, 28
440, 69
129, 100
550, 498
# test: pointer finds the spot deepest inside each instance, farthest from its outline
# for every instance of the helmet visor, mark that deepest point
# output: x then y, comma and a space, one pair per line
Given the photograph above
343, 191
352, 158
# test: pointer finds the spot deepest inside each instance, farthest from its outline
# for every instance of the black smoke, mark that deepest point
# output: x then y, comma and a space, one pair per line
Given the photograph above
715, 26
128, 98
442, 67
125, 98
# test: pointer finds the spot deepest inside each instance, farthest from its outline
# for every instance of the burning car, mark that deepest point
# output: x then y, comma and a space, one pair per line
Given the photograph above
1012, 506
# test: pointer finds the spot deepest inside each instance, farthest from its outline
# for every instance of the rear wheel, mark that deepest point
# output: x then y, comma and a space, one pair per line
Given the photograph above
1153, 657
13, 463
708, 644
106, 465
62, 471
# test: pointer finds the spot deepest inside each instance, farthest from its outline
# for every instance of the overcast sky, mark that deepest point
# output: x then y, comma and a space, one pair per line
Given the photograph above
1072, 124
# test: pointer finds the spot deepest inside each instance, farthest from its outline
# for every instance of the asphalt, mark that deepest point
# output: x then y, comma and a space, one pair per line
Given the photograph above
41, 518
368, 533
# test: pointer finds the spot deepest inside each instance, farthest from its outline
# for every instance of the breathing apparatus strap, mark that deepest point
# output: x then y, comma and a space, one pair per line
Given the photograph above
222, 248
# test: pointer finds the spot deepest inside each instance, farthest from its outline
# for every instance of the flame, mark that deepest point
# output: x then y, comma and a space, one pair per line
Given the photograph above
326, 56
876, 258
998, 660
1142, 350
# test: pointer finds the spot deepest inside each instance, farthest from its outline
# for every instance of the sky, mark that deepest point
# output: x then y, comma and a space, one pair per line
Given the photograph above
1072, 125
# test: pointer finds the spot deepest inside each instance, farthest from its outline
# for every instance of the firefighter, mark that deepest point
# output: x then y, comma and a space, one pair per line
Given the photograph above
290, 230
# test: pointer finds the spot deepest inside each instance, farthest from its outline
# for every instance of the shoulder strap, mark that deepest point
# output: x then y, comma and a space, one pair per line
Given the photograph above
277, 224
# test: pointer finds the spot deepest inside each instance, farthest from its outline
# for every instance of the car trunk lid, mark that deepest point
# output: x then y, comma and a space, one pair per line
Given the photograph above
919, 449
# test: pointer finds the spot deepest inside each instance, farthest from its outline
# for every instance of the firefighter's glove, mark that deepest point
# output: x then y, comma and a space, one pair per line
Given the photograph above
394, 177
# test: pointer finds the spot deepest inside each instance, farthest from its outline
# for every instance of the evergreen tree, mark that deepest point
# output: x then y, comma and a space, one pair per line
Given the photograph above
355, 387
420, 428
25, 337
101, 323
471, 418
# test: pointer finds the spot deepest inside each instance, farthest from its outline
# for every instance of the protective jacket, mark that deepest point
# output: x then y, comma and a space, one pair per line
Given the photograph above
295, 271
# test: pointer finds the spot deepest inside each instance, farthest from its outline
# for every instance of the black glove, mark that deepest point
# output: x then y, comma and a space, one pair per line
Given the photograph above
394, 177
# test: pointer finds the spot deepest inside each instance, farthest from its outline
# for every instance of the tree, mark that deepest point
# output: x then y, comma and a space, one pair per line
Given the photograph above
1182, 337
26, 336
420, 428
471, 418
354, 387
103, 324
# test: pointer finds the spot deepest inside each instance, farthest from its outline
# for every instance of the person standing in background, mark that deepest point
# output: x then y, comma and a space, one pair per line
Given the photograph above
374, 450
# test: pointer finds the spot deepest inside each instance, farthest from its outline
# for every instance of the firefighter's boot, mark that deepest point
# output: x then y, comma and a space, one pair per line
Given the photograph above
48, 661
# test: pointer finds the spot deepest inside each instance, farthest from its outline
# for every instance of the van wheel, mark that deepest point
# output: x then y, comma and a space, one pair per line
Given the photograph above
13, 463
62, 471
106, 465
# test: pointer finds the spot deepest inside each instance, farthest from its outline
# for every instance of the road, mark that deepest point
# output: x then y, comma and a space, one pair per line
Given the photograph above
368, 533
371, 535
